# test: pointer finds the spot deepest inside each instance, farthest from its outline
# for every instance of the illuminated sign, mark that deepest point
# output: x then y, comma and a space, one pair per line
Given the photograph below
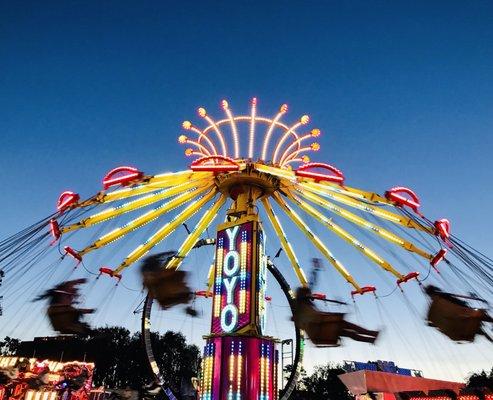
239, 368
240, 278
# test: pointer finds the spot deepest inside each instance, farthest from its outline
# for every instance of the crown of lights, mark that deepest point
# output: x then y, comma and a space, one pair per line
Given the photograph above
289, 148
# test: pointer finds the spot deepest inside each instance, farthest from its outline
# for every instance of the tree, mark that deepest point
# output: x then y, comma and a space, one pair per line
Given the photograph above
324, 384
480, 380
9, 346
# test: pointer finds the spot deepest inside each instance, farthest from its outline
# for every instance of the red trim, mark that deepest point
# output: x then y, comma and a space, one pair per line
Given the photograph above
396, 195
110, 272
319, 296
202, 164
203, 293
337, 176
364, 289
438, 258
73, 253
66, 200
442, 227
408, 277
126, 175
55, 230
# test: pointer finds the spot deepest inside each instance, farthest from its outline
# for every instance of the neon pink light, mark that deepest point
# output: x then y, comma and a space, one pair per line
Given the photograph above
66, 200
202, 164
395, 195
121, 176
337, 176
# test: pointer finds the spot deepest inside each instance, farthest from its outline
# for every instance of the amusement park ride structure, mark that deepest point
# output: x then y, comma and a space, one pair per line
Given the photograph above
240, 361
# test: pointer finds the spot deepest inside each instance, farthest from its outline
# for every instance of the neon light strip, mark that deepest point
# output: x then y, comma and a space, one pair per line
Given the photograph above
218, 282
142, 220
168, 228
387, 235
218, 133
390, 216
192, 238
251, 141
316, 241
199, 146
284, 242
283, 139
152, 184
202, 135
345, 235
234, 131
191, 152
243, 275
286, 153
303, 159
282, 111
113, 212
295, 153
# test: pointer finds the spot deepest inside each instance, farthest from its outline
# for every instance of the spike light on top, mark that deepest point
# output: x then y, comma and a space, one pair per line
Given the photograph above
207, 145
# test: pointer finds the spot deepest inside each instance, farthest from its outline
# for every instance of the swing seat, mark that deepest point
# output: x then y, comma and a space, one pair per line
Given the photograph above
65, 319
322, 328
459, 323
168, 287
325, 331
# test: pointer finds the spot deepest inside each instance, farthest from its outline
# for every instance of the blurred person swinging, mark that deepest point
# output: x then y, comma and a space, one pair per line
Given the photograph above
325, 328
454, 317
63, 316
167, 286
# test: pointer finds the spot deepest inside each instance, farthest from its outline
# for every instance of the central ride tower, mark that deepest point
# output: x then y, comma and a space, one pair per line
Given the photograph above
240, 361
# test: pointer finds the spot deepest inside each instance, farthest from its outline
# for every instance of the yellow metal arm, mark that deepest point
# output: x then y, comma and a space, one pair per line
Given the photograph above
192, 238
163, 232
375, 210
154, 183
284, 242
385, 234
144, 219
342, 233
316, 241
113, 212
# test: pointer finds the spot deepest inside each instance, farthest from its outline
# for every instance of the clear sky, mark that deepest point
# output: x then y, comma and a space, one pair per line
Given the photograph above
402, 91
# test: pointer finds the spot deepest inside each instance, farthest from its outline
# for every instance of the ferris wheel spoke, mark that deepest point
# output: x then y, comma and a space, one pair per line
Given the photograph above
192, 238
284, 242
153, 183
379, 212
113, 212
142, 220
316, 241
385, 234
167, 229
342, 233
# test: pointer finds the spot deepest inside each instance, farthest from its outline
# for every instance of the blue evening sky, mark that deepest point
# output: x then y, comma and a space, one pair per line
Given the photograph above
402, 91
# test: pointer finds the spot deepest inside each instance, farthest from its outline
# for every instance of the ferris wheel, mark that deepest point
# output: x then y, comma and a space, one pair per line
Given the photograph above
253, 171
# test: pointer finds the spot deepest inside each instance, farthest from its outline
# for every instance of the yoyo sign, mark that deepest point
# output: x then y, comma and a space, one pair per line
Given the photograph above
239, 278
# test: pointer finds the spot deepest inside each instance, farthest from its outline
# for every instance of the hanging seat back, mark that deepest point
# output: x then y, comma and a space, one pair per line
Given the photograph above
459, 323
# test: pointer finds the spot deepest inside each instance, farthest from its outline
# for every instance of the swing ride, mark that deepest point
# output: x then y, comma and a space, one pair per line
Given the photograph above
270, 182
